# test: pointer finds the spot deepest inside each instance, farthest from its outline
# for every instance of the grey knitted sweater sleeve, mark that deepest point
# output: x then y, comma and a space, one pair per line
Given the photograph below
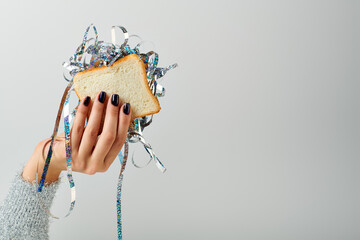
21, 214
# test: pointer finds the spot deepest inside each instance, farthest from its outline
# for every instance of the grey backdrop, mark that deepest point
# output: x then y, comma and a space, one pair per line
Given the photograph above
259, 129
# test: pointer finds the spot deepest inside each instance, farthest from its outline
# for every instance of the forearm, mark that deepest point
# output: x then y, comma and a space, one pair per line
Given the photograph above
22, 214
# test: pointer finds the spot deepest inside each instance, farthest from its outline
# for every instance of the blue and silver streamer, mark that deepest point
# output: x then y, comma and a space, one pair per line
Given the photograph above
94, 53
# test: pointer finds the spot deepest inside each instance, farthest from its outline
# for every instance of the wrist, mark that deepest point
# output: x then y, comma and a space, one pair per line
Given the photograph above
36, 164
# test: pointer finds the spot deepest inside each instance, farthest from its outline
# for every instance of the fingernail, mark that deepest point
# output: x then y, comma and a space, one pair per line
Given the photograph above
115, 100
126, 108
102, 97
87, 101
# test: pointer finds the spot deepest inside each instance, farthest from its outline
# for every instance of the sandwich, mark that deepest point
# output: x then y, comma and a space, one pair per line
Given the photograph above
127, 78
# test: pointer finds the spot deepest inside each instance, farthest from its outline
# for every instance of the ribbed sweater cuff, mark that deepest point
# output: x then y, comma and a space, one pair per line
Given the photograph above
22, 215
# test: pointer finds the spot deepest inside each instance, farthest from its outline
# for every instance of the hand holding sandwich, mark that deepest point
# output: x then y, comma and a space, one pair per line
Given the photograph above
90, 152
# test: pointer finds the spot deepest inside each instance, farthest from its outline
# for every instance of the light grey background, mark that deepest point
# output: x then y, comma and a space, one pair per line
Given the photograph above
259, 129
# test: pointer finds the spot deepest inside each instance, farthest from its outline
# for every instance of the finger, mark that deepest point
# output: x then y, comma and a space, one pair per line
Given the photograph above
92, 128
124, 122
109, 132
77, 129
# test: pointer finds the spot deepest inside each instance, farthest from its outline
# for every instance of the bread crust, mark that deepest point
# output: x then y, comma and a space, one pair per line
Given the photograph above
126, 58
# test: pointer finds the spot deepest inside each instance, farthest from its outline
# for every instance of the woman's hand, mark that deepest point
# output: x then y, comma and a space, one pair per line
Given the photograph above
90, 152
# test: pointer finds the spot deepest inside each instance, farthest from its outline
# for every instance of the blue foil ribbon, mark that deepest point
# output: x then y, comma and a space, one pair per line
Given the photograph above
95, 53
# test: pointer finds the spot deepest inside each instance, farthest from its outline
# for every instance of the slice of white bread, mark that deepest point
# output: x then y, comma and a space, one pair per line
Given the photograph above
127, 78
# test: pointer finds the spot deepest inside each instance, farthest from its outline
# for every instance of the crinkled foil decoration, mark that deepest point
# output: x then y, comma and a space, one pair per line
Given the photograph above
95, 53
